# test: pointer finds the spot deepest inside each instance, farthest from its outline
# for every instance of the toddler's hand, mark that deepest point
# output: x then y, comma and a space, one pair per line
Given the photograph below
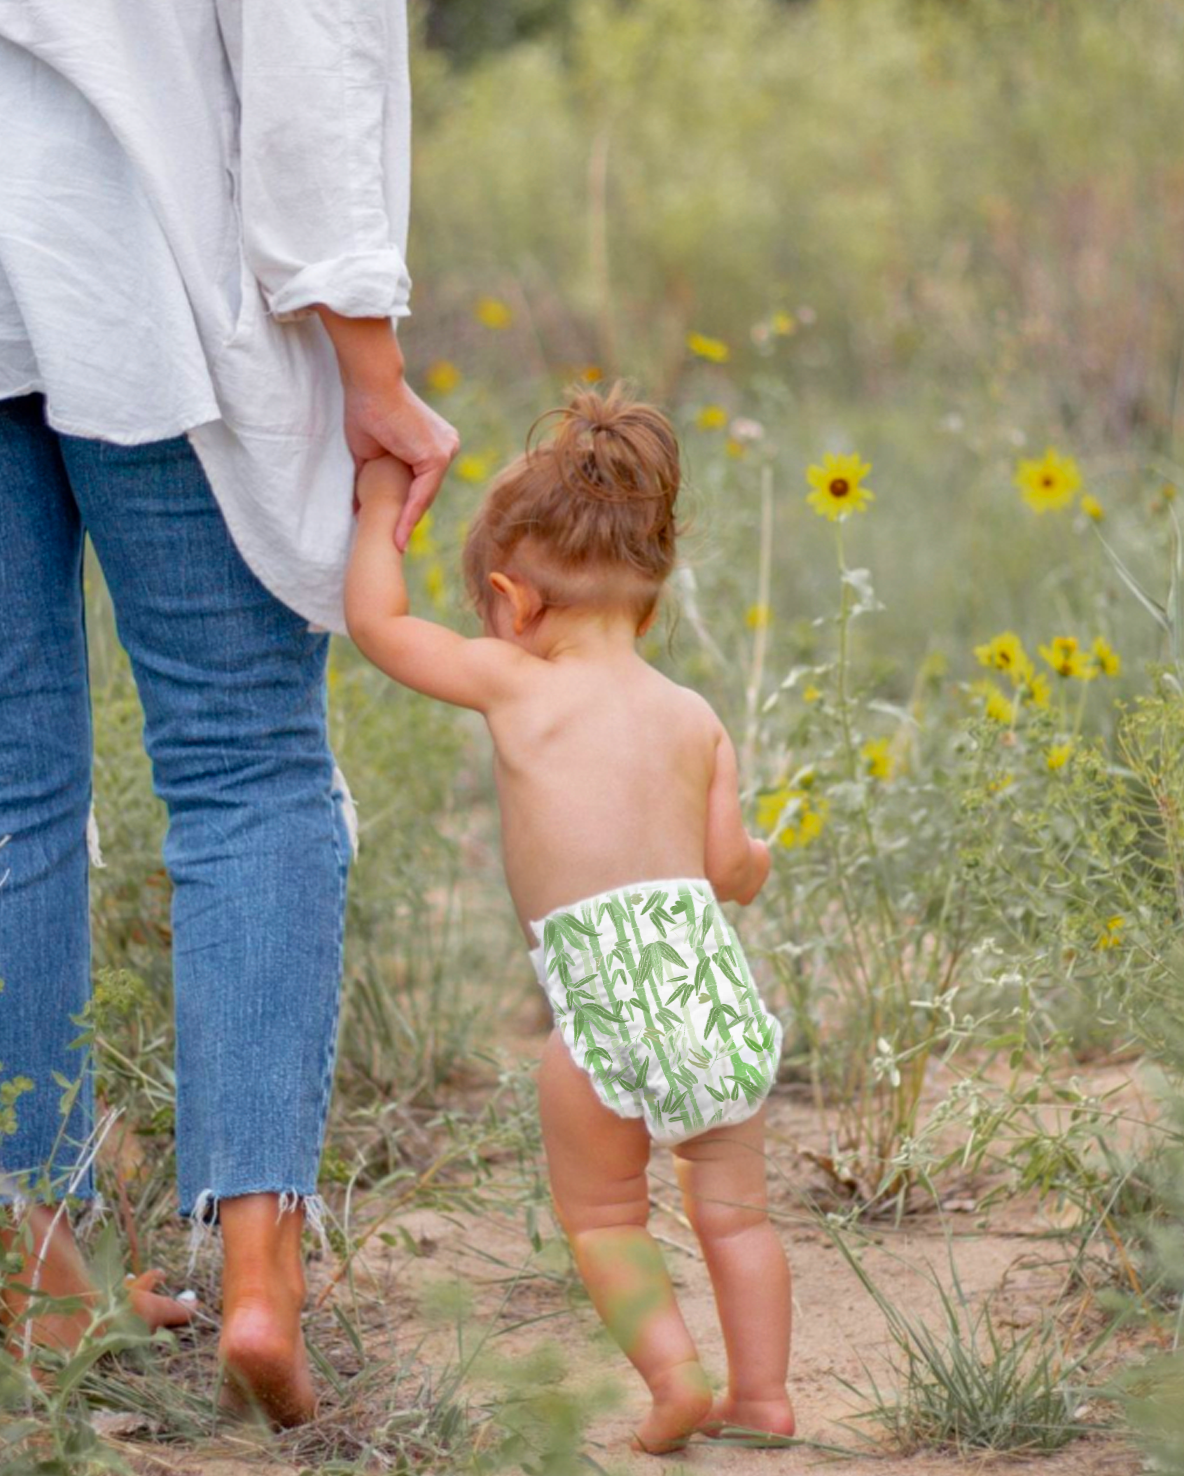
384, 479
762, 864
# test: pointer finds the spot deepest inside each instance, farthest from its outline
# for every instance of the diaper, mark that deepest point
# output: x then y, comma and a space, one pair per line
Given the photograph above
652, 995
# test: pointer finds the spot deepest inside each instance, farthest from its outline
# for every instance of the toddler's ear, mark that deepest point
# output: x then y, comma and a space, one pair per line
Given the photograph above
524, 603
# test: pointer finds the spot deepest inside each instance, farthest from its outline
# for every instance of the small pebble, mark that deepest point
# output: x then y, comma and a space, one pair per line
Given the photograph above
187, 1296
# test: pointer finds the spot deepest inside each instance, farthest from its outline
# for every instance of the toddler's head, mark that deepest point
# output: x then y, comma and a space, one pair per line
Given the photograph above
583, 520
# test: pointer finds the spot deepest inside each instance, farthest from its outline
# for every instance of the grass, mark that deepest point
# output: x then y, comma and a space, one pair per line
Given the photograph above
960, 1383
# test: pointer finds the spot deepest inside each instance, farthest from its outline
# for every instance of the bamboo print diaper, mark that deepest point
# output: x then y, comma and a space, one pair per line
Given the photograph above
652, 995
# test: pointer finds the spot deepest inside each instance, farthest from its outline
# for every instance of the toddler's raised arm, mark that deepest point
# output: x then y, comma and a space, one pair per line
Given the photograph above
419, 653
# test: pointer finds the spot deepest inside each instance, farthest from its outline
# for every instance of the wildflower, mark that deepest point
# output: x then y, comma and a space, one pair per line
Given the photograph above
1058, 756
1111, 934
492, 312
811, 694
783, 324
757, 617
838, 486
704, 347
421, 544
1001, 785
591, 374
748, 430
1006, 653
1036, 690
711, 417
1067, 659
1050, 483
1092, 508
999, 709
443, 376
791, 815
434, 584
473, 468
1108, 660
736, 449
877, 756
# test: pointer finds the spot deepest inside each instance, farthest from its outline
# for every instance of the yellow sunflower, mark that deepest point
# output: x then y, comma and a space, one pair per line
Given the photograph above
998, 707
1067, 659
878, 759
711, 417
838, 486
421, 544
1006, 653
473, 468
492, 312
443, 376
792, 815
1049, 483
1111, 934
712, 349
1108, 660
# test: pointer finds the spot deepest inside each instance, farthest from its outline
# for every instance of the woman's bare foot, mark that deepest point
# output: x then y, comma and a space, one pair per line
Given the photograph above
55, 1266
682, 1396
262, 1345
771, 1417
266, 1364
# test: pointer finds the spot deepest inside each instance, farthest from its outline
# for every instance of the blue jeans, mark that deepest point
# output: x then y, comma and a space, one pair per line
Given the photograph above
232, 684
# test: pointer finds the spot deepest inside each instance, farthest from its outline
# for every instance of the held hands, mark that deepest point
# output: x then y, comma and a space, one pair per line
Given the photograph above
383, 414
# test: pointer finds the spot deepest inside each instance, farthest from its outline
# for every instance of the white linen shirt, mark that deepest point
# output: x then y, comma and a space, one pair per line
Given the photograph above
179, 181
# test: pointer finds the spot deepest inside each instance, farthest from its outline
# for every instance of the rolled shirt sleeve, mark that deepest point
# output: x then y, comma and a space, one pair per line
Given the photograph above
324, 141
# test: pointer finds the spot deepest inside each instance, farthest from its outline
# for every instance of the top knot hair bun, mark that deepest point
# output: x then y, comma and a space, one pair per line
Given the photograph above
586, 513
612, 448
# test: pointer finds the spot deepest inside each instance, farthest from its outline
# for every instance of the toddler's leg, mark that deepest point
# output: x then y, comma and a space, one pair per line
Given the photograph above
597, 1163
722, 1176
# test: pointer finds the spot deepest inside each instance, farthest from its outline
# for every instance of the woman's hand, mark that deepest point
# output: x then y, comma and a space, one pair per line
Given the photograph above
383, 414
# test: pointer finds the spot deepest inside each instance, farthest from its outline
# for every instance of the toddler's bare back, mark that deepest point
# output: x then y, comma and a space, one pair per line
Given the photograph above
603, 770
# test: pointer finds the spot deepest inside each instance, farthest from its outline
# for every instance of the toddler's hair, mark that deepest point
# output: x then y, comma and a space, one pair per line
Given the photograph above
585, 515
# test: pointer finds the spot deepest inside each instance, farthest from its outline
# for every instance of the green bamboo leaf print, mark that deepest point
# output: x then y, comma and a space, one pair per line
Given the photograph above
704, 925
703, 972
673, 1102
685, 1077
753, 1045
574, 929
672, 955
718, 1013
719, 1096
656, 899
647, 962
681, 993
594, 1053
726, 960
668, 1017
753, 1093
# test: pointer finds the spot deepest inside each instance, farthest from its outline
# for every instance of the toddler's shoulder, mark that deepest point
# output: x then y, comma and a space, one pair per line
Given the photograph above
693, 710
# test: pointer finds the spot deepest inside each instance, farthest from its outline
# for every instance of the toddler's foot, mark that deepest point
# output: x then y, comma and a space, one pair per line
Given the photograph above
761, 1417
682, 1397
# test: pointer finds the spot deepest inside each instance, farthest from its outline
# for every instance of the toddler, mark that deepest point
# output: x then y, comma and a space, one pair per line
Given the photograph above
622, 834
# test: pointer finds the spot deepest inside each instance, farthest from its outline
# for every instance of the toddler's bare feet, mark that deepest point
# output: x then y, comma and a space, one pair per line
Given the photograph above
762, 1416
682, 1397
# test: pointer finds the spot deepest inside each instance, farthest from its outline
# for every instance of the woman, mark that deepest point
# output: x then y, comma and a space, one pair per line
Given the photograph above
202, 230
